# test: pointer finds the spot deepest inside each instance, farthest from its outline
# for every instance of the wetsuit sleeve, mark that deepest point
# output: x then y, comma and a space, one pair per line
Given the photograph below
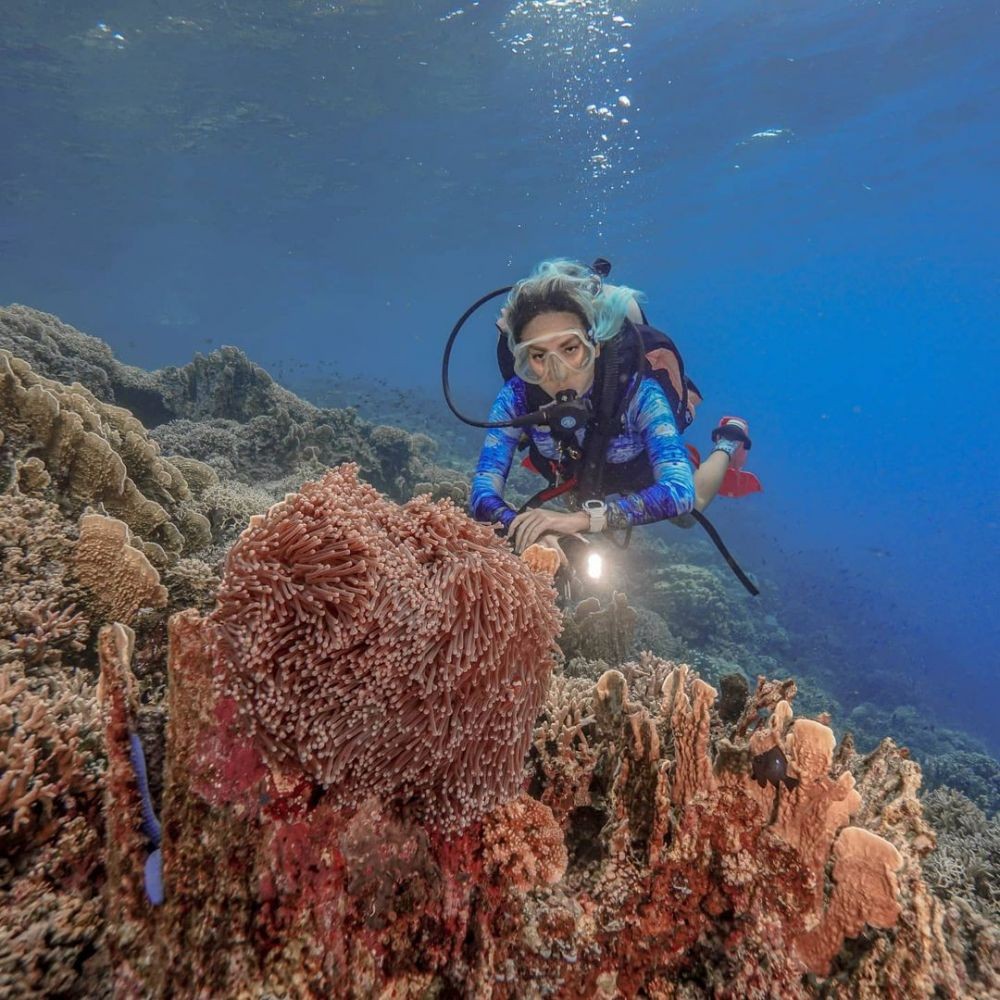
486, 502
672, 491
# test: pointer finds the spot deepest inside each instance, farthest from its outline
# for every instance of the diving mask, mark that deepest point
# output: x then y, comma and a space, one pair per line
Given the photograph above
553, 357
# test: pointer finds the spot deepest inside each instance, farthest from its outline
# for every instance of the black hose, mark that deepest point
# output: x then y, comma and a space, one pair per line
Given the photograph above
721, 546
447, 358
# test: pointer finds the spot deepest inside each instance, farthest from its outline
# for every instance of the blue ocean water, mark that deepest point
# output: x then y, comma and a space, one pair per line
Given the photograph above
806, 191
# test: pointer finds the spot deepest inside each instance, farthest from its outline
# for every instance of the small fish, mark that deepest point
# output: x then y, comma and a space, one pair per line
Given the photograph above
771, 133
772, 766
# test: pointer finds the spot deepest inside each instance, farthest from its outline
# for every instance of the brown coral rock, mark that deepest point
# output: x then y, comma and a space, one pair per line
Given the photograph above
596, 633
32, 476
119, 577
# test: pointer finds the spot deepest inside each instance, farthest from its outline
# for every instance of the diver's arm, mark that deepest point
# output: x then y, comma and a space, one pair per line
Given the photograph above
708, 478
672, 492
486, 502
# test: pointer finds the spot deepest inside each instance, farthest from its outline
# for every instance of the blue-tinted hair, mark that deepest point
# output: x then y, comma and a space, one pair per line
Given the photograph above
561, 285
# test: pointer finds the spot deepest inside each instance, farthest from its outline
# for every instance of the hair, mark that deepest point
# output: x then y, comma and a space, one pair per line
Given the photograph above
562, 285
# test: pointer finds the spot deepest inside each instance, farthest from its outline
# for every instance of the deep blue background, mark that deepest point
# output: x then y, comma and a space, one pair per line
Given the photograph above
329, 185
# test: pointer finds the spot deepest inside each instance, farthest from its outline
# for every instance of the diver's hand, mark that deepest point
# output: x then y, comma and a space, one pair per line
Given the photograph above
529, 527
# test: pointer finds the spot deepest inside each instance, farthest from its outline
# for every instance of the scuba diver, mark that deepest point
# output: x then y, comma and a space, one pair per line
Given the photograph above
599, 399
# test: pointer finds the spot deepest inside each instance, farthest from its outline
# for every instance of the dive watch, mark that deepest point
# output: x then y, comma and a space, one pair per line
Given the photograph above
598, 512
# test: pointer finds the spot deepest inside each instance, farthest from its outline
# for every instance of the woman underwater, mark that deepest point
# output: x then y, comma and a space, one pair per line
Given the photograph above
556, 322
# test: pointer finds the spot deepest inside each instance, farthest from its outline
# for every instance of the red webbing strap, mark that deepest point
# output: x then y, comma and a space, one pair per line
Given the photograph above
543, 496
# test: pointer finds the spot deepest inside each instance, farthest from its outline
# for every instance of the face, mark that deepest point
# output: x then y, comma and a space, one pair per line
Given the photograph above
561, 335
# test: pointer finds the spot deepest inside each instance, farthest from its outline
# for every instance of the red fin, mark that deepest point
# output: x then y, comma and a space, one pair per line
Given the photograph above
738, 483
529, 465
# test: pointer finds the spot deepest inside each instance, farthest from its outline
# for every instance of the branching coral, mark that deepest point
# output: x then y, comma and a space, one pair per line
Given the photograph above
36, 546
52, 921
46, 773
392, 651
50, 756
51, 763
966, 862
46, 629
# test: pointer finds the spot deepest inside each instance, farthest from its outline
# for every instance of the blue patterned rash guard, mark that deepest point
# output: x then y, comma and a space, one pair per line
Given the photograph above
649, 426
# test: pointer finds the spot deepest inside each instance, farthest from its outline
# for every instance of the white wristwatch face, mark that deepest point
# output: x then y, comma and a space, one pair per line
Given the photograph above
598, 514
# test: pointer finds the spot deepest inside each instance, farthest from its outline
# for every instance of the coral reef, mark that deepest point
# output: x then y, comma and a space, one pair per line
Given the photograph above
221, 410
973, 773
225, 384
940, 948
444, 484
694, 602
600, 835
643, 861
58, 351
947, 757
690, 608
